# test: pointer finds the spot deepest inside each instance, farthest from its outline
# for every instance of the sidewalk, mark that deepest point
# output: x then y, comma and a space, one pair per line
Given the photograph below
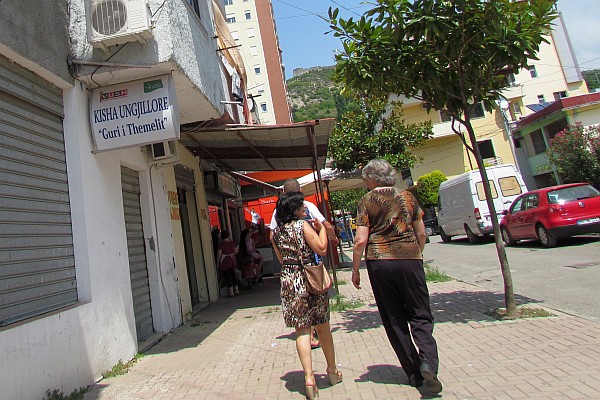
239, 348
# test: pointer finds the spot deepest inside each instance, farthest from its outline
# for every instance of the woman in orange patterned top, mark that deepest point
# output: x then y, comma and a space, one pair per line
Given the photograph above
390, 228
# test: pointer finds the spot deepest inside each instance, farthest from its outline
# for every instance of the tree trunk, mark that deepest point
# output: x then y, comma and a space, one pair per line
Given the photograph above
509, 296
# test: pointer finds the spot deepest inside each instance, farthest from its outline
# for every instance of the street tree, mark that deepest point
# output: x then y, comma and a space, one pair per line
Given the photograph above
373, 131
451, 54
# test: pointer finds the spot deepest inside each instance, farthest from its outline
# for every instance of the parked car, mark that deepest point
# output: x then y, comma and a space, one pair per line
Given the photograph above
431, 226
552, 213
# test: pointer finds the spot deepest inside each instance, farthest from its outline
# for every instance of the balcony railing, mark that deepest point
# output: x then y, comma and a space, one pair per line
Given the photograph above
492, 161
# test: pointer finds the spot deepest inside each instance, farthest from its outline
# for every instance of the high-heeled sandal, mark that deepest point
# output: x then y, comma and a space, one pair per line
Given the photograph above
312, 391
334, 377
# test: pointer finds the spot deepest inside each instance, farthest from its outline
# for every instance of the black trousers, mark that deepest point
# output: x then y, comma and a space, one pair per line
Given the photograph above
403, 301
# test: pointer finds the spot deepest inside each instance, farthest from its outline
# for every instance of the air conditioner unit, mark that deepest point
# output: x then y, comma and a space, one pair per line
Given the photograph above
163, 152
111, 22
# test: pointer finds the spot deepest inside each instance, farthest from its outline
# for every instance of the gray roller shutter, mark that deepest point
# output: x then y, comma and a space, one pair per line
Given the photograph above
138, 269
37, 267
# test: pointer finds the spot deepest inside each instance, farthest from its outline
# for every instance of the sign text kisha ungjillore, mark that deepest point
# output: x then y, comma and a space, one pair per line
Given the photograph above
134, 113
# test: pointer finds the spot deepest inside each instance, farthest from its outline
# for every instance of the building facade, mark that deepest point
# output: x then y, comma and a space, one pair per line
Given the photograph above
253, 28
106, 236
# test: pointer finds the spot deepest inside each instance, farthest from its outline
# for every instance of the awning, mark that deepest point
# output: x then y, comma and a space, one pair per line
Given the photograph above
334, 180
261, 147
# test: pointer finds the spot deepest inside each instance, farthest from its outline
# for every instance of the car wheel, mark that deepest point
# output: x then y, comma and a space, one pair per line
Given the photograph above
473, 238
546, 239
445, 238
508, 241
430, 231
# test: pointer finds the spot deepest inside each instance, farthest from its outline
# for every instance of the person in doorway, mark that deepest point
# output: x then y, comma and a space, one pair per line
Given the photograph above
295, 238
252, 260
227, 259
311, 213
256, 219
390, 227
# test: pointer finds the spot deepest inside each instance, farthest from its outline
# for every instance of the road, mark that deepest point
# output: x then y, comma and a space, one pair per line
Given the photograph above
566, 277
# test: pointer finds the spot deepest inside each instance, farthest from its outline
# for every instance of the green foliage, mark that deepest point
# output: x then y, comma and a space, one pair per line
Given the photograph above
576, 154
122, 367
58, 395
339, 303
450, 54
433, 274
347, 200
592, 78
360, 136
428, 187
314, 95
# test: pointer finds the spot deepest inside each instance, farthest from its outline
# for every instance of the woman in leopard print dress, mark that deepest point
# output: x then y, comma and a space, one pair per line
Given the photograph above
302, 310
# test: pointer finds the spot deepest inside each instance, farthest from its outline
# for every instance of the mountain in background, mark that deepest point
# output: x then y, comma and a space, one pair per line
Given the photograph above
312, 94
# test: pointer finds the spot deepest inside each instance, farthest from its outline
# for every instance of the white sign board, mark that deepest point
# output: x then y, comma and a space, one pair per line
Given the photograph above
134, 113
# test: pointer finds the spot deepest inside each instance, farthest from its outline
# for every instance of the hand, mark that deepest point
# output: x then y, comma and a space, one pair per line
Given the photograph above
356, 279
317, 225
334, 241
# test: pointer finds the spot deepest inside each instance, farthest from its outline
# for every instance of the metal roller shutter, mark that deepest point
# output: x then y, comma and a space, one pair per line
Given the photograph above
37, 267
138, 269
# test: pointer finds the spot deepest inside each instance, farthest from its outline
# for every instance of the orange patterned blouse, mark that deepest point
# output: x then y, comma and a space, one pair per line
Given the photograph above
389, 212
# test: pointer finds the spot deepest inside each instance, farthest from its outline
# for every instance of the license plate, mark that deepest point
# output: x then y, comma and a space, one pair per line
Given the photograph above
588, 221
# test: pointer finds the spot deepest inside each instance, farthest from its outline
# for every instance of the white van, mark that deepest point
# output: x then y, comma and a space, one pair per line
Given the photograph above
463, 209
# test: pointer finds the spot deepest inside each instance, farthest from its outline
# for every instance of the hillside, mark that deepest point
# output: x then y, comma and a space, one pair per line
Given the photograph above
312, 94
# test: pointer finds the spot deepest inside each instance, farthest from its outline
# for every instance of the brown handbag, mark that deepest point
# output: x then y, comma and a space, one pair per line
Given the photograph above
318, 280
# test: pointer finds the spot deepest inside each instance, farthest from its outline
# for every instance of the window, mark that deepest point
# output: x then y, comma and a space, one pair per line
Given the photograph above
253, 51
250, 32
559, 95
486, 148
230, 18
247, 14
481, 192
445, 117
263, 107
509, 186
533, 72
228, 2
257, 69
476, 111
516, 207
531, 201
235, 35
194, 4
537, 138
261, 91
541, 99
510, 79
516, 108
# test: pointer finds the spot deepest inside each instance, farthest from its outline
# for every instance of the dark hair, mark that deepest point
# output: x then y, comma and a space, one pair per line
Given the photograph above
224, 235
287, 204
243, 236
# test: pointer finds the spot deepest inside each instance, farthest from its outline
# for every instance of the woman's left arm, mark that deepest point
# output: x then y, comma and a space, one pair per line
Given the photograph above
317, 242
419, 228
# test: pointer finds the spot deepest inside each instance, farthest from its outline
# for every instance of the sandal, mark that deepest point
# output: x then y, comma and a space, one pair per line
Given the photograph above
334, 377
312, 391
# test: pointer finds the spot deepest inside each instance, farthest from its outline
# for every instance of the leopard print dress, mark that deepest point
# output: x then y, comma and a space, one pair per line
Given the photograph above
300, 308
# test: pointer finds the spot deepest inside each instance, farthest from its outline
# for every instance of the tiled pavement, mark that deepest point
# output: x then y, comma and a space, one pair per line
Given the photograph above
239, 348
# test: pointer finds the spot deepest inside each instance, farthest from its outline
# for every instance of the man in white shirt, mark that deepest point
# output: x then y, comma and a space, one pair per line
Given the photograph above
312, 212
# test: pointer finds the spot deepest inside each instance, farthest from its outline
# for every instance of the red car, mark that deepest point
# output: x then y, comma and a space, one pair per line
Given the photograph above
552, 213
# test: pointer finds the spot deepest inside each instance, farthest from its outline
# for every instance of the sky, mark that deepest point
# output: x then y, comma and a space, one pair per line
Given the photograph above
304, 43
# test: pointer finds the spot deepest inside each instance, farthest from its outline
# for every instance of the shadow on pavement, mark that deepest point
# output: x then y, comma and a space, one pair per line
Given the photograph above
469, 306
205, 322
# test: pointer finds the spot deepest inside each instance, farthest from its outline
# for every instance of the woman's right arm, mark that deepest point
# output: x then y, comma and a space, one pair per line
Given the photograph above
219, 254
317, 242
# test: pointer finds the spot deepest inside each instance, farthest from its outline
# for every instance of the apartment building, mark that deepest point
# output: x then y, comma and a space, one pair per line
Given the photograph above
554, 76
253, 28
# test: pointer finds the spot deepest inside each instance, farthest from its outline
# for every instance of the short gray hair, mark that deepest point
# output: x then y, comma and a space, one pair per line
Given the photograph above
381, 172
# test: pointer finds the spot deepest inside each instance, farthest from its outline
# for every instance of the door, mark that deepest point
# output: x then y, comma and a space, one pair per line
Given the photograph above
192, 240
136, 249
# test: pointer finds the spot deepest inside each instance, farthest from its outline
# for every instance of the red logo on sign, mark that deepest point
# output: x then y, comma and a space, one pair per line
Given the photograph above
113, 95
